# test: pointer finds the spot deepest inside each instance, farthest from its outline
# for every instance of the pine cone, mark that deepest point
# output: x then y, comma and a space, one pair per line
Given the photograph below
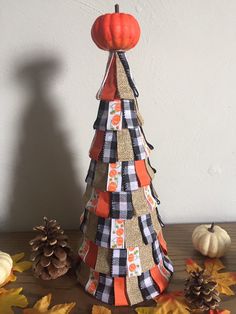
200, 291
51, 256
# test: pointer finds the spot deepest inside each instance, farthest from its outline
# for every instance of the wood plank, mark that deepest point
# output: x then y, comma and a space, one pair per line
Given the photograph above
66, 289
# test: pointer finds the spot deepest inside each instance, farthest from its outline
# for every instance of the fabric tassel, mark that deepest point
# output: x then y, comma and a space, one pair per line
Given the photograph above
133, 291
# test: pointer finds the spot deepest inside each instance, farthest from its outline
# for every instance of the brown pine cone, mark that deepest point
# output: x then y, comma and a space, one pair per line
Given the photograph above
51, 254
200, 292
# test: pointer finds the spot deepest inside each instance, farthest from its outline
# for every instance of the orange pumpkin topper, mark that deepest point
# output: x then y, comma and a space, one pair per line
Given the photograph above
115, 31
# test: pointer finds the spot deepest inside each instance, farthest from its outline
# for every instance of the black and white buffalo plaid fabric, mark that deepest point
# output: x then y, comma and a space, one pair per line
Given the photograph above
147, 230
105, 289
101, 121
138, 144
119, 263
168, 264
157, 252
109, 153
130, 120
103, 234
83, 224
129, 178
147, 286
121, 205
91, 172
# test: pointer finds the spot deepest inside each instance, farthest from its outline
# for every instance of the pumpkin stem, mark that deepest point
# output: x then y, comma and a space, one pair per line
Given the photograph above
211, 229
117, 9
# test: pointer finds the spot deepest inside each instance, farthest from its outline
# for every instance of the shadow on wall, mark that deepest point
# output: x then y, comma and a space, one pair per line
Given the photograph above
44, 182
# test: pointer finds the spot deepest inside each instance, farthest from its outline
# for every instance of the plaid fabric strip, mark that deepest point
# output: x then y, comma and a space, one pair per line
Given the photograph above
157, 252
121, 205
138, 144
130, 120
109, 153
105, 289
168, 264
147, 230
103, 232
147, 286
91, 172
118, 267
101, 121
129, 182
84, 219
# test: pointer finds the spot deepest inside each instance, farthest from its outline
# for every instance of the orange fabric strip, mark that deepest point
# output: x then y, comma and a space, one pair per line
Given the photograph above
119, 291
91, 257
109, 90
97, 145
159, 279
141, 172
162, 242
103, 205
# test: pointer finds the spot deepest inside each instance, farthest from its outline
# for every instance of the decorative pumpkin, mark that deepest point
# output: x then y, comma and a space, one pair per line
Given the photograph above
6, 264
211, 240
115, 31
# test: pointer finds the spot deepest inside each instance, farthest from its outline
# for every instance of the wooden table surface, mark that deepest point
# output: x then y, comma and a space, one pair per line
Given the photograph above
66, 289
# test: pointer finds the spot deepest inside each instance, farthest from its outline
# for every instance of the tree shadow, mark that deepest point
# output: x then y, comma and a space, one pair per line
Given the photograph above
44, 181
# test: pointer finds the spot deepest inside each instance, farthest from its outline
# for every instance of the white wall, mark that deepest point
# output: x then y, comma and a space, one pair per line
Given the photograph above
50, 71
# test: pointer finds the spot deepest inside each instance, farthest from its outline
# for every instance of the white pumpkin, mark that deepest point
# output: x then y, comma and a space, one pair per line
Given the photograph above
5, 266
211, 240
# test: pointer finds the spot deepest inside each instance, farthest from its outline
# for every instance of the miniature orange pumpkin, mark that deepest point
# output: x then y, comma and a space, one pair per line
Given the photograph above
115, 31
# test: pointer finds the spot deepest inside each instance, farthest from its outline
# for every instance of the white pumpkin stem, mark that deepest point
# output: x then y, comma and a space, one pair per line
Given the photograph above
211, 229
117, 9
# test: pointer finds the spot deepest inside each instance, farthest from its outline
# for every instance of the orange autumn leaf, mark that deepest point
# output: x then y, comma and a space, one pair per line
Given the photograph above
171, 303
42, 305
212, 267
10, 298
146, 310
97, 309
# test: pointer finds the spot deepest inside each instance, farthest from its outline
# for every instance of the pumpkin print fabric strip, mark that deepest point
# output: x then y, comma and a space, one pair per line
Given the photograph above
133, 262
150, 199
129, 115
117, 234
91, 286
114, 119
114, 179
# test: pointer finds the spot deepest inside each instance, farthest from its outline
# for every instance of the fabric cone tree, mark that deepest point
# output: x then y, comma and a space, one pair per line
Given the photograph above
123, 255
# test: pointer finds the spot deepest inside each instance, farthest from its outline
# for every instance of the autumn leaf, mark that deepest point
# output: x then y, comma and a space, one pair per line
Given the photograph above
97, 309
212, 267
219, 312
171, 303
191, 265
43, 304
12, 297
146, 310
224, 280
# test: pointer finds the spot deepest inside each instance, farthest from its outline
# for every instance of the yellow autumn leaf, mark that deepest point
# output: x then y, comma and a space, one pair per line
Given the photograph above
42, 305
97, 309
146, 310
20, 266
10, 298
212, 267
223, 279
171, 303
